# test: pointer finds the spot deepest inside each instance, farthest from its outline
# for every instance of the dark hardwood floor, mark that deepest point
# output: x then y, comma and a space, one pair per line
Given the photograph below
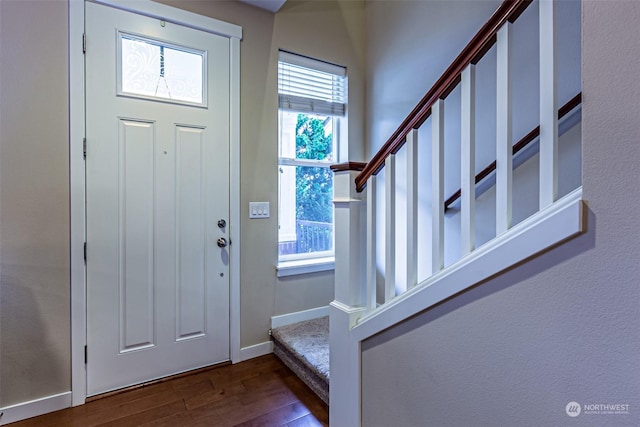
258, 392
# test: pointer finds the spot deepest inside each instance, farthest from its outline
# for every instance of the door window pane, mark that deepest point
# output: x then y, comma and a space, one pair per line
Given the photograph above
152, 69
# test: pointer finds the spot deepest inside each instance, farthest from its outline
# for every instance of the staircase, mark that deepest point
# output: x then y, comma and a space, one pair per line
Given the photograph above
304, 348
402, 244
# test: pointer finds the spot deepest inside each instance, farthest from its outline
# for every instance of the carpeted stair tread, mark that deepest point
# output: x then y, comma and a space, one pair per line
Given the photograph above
304, 347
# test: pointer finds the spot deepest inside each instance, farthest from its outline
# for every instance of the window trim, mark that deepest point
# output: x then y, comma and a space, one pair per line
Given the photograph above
283, 259
287, 161
296, 264
305, 266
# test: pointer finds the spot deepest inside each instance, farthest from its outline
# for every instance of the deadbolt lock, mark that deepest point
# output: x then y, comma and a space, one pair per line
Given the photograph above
222, 223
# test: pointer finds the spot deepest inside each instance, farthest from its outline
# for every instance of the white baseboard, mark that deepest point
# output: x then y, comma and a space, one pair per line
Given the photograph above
299, 316
33, 408
256, 350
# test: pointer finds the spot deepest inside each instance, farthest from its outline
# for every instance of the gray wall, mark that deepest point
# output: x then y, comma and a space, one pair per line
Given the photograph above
409, 45
325, 29
562, 327
34, 201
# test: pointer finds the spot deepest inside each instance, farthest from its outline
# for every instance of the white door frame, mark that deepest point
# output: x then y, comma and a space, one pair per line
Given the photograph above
77, 170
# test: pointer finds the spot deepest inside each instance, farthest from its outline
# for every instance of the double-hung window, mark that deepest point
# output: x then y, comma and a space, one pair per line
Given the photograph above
312, 104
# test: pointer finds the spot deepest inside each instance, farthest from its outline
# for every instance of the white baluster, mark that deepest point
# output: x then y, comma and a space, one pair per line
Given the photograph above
390, 235
372, 270
468, 158
412, 208
504, 144
548, 105
437, 186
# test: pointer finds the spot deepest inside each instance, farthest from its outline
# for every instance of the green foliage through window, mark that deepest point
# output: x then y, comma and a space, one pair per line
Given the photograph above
314, 185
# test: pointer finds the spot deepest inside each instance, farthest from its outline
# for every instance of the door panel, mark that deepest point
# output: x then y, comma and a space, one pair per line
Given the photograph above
157, 183
136, 239
191, 278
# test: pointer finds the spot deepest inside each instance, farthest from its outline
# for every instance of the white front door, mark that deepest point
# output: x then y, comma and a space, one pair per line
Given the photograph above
157, 120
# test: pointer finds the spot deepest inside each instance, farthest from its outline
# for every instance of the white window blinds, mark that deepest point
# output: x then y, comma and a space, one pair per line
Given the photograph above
310, 86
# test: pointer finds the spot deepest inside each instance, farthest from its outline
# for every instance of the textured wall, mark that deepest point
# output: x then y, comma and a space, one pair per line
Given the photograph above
409, 45
562, 327
34, 201
329, 30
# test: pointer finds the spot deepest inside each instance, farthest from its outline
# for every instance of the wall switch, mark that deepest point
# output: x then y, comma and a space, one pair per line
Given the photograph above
258, 209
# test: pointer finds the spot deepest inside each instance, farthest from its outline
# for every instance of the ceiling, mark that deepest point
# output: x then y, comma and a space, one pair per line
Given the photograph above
270, 5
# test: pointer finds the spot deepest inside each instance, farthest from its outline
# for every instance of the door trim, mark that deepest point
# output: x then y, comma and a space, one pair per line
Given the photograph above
77, 176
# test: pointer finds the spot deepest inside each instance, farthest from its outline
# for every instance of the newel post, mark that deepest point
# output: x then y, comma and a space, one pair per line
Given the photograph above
350, 296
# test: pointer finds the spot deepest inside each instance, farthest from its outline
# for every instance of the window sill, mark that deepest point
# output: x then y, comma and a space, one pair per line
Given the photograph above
304, 266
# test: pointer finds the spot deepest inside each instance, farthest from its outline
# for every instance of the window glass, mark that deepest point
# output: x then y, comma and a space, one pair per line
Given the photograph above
306, 184
151, 69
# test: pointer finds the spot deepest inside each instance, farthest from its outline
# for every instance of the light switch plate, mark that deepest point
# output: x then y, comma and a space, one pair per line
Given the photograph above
258, 209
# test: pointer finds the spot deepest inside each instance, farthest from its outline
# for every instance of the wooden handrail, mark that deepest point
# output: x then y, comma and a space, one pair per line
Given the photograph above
518, 146
348, 166
479, 45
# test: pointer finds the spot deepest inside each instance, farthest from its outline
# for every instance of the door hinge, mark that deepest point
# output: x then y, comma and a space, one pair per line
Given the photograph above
84, 43
84, 148
85, 354
85, 253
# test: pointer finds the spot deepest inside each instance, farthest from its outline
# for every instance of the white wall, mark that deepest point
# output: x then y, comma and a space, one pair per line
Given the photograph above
562, 327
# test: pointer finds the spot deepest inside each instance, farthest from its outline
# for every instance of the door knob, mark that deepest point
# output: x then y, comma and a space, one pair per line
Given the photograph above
222, 242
